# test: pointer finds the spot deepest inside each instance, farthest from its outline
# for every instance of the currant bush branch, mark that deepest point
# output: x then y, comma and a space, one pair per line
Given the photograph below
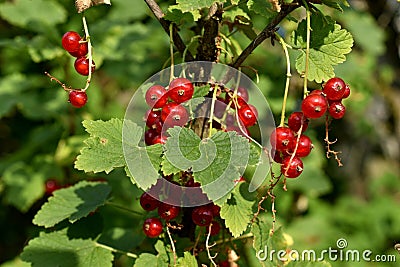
308, 19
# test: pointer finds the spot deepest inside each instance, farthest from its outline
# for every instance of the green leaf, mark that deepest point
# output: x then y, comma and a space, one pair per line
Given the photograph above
103, 149
261, 232
25, 13
237, 211
216, 162
176, 15
187, 260
115, 143
56, 249
159, 260
190, 5
261, 7
72, 203
12, 87
24, 185
328, 46
200, 91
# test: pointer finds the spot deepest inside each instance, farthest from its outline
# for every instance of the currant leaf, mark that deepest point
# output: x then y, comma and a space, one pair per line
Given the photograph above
216, 162
261, 7
237, 211
187, 260
72, 203
159, 260
328, 46
115, 143
335, 4
57, 249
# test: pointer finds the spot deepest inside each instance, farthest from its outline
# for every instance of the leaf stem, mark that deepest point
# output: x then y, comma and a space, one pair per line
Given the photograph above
171, 51
129, 254
308, 14
288, 76
172, 245
211, 119
87, 39
208, 246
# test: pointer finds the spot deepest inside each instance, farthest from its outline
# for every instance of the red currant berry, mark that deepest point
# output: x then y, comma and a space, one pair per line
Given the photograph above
180, 90
334, 88
82, 66
304, 146
148, 202
346, 91
248, 115
152, 227
216, 209
81, 52
52, 185
70, 41
215, 228
77, 98
337, 110
156, 96
278, 156
224, 264
314, 106
282, 139
291, 167
202, 215
296, 120
174, 114
152, 117
150, 135
168, 212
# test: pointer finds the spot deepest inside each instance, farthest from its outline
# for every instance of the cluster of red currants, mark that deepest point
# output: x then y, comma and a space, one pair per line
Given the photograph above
77, 47
166, 110
289, 143
201, 216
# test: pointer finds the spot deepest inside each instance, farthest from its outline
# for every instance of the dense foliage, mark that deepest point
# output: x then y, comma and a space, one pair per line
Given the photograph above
48, 144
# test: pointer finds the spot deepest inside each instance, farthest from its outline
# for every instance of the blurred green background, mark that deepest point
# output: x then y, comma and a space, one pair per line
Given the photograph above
41, 133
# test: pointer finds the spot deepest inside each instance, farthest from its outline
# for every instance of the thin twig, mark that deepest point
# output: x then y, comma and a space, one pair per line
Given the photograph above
210, 246
172, 245
328, 143
266, 33
131, 255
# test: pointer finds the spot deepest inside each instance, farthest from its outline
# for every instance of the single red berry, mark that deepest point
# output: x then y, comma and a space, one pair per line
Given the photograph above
346, 92
282, 139
77, 98
291, 167
296, 120
278, 156
152, 227
70, 41
180, 90
52, 185
248, 115
150, 135
152, 117
168, 212
202, 215
148, 202
215, 228
224, 264
82, 66
314, 106
337, 110
334, 88
304, 146
156, 96
174, 114
82, 50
